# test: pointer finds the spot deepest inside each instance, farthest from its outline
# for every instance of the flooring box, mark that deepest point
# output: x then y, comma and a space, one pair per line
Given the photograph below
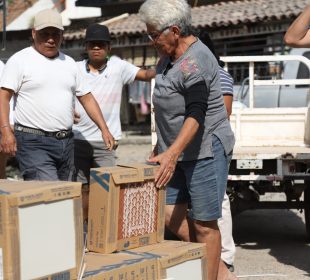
120, 265
126, 210
178, 260
41, 234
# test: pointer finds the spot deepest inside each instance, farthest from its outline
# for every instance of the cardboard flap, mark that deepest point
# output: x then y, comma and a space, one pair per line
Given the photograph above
146, 170
125, 173
101, 263
171, 253
128, 175
40, 191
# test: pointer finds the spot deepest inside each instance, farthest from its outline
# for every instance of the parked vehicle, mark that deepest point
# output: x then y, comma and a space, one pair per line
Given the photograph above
273, 95
271, 121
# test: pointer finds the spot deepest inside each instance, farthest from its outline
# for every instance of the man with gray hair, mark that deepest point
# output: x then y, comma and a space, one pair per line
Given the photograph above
45, 82
195, 141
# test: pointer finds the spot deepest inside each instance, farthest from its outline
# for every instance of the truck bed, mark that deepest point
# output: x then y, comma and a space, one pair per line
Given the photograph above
279, 152
271, 133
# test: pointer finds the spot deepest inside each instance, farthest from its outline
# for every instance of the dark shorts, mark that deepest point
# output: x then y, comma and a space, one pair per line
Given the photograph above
201, 183
90, 154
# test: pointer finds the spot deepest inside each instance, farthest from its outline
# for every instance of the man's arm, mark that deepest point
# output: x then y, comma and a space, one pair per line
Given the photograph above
8, 142
228, 99
298, 34
145, 75
227, 89
196, 104
92, 109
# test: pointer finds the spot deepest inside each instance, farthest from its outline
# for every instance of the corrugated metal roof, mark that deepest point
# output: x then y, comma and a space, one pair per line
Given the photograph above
217, 15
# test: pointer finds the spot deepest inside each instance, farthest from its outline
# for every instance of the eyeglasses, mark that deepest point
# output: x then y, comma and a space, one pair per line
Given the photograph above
153, 36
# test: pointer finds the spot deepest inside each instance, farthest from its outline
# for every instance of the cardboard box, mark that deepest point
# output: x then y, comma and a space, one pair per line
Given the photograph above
126, 210
41, 233
120, 265
177, 259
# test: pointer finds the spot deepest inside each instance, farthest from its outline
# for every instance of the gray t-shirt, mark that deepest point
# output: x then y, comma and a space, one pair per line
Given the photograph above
196, 65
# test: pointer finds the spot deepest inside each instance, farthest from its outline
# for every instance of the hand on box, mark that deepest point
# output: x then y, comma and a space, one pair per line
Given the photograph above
167, 161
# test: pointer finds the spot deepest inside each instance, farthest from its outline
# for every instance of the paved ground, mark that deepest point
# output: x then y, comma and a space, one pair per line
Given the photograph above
271, 244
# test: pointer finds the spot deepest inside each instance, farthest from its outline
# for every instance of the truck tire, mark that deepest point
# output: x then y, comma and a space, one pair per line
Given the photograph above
307, 209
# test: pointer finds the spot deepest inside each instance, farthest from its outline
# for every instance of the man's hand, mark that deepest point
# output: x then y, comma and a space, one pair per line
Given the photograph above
109, 140
167, 161
8, 141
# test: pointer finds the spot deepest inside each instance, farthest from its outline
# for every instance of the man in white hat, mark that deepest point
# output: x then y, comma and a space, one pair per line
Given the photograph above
45, 82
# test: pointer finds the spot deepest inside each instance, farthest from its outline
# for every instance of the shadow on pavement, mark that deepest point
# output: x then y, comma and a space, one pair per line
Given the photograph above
283, 232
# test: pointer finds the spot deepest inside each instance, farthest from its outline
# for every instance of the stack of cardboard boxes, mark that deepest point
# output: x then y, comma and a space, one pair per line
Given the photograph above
126, 216
41, 231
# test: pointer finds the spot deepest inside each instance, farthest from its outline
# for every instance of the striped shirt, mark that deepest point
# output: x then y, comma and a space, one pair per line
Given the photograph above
226, 82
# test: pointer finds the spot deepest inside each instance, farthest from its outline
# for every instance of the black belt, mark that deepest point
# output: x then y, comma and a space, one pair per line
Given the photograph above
62, 134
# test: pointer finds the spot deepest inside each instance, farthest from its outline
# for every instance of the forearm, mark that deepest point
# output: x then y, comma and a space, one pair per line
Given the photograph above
228, 99
150, 74
4, 108
298, 34
145, 75
184, 138
93, 110
8, 143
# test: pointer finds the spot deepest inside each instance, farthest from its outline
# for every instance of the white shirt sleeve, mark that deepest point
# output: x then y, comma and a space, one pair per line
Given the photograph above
1, 67
129, 72
81, 88
12, 74
12, 101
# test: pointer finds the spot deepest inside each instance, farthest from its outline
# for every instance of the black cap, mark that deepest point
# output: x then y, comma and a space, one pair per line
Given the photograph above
97, 32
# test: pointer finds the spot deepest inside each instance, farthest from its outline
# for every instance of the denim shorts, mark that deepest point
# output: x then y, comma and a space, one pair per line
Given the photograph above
45, 158
202, 183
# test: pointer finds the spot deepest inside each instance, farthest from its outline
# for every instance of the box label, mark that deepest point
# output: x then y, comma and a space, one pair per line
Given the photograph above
148, 172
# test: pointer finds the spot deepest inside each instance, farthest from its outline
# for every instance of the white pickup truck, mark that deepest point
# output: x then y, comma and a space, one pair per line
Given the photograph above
271, 122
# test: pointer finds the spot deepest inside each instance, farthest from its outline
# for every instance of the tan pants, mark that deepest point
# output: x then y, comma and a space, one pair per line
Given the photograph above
225, 226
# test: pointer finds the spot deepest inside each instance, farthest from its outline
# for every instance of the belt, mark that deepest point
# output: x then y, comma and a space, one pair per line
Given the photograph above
61, 134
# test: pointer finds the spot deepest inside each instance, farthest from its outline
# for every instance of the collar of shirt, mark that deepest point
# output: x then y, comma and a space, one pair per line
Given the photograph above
99, 70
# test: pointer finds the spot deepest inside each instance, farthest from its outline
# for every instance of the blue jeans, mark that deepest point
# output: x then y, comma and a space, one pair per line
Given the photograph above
45, 158
202, 183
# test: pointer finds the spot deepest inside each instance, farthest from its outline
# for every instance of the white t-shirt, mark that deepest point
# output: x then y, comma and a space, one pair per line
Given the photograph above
1, 67
106, 87
12, 102
45, 89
